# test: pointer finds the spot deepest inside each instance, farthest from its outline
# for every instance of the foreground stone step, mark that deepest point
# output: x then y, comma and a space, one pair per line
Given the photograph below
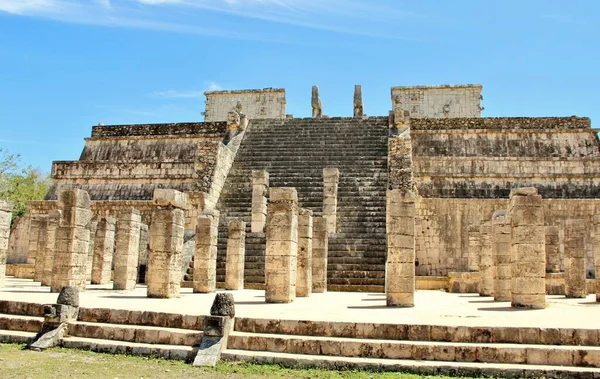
21, 323
142, 318
14, 336
135, 333
583, 356
416, 367
174, 352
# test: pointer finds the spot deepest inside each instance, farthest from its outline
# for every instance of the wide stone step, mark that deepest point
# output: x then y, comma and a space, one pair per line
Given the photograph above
425, 368
21, 323
15, 336
584, 356
135, 333
142, 318
173, 352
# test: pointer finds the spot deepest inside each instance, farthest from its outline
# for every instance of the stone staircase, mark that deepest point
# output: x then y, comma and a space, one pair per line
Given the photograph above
294, 152
112, 331
422, 349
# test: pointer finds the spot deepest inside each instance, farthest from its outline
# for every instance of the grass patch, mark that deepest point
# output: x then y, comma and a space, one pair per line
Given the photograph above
70, 363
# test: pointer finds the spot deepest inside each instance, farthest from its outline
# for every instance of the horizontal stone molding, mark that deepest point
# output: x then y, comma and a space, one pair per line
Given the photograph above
160, 129
501, 123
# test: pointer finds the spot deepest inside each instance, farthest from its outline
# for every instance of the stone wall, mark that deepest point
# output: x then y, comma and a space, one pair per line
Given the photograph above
442, 225
486, 157
439, 101
127, 162
259, 103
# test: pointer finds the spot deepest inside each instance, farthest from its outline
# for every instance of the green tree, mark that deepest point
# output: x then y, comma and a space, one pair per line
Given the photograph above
18, 184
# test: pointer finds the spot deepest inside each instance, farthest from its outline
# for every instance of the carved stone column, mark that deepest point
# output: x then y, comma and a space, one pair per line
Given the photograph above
260, 188
282, 246
104, 247
315, 102
474, 248
331, 178
305, 234
53, 223
501, 253
236, 255
127, 249
400, 263
143, 256
528, 248
320, 252
575, 281
72, 239
552, 249
486, 261
358, 101
40, 258
92, 227
205, 256
5, 217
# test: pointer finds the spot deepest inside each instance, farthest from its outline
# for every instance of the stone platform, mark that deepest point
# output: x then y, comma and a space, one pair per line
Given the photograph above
431, 307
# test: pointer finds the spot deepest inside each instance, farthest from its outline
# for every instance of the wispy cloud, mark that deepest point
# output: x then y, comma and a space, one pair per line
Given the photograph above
178, 94
377, 18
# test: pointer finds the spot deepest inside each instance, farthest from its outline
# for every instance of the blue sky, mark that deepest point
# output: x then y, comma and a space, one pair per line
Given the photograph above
66, 65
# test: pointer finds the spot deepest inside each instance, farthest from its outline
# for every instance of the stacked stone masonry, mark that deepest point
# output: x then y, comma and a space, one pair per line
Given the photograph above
281, 254
501, 254
575, 284
127, 250
439, 101
486, 260
331, 179
53, 223
205, 256
104, 247
553, 258
304, 278
5, 217
236, 248
597, 253
256, 104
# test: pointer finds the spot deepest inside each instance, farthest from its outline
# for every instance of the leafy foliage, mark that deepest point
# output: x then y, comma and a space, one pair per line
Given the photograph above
18, 184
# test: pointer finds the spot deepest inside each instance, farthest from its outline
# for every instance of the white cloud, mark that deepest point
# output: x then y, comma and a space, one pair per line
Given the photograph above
178, 94
212, 86
26, 6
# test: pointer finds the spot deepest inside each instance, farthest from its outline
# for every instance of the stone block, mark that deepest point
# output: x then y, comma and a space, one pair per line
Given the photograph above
163, 197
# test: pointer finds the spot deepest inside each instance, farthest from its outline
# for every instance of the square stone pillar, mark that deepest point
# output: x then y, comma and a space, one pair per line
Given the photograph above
72, 240
597, 253
331, 178
305, 235
575, 280
501, 253
92, 226
486, 260
197, 205
5, 218
143, 257
104, 248
40, 258
52, 225
281, 253
552, 249
474, 248
320, 252
260, 188
400, 262
127, 249
166, 244
236, 255
33, 235
205, 255
528, 248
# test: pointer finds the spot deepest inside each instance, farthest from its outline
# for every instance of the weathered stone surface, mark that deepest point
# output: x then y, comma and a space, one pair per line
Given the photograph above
528, 289
575, 279
315, 103
53, 222
104, 247
256, 103
40, 259
68, 296
205, 256
5, 216
358, 101
446, 101
223, 305
319, 257
281, 246
331, 179
486, 260
501, 252
163, 197
304, 279
127, 249
596, 221
553, 261
260, 188
236, 253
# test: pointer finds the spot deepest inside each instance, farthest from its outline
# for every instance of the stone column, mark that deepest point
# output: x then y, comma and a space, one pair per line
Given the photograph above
320, 252
528, 248
72, 239
358, 102
52, 225
205, 255
597, 253
502, 255
166, 244
143, 257
104, 248
40, 258
236, 254
93, 227
5, 217
127, 249
281, 251
552, 249
474, 248
304, 279
34, 221
331, 178
260, 188
486, 260
575, 283
400, 263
